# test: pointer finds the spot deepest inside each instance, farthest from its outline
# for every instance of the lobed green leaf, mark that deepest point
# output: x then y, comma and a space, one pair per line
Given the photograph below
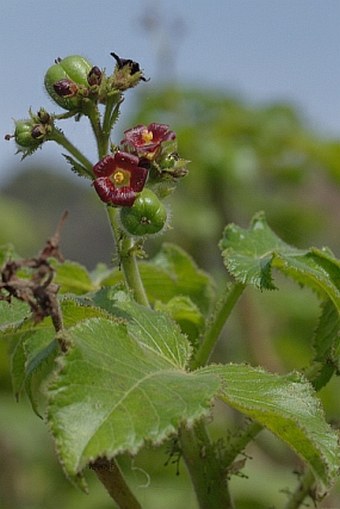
122, 384
287, 406
155, 331
34, 349
326, 344
251, 254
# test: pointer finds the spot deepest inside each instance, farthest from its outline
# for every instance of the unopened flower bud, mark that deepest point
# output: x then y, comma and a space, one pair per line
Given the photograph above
180, 172
126, 62
38, 132
127, 73
95, 76
65, 88
44, 116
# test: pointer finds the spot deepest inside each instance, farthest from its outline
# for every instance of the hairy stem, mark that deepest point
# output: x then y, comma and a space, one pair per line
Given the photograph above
93, 115
111, 114
127, 257
131, 271
303, 490
238, 442
212, 334
108, 472
205, 468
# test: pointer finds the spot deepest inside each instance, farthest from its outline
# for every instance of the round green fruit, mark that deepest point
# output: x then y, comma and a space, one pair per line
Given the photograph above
147, 215
63, 79
24, 134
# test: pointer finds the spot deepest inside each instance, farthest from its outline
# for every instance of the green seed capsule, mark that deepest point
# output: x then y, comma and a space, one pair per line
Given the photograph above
24, 134
73, 70
146, 216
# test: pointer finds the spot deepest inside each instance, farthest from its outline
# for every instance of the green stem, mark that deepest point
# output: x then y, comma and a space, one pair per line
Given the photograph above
65, 116
212, 334
109, 474
127, 257
61, 139
93, 114
107, 117
131, 271
206, 470
303, 490
110, 117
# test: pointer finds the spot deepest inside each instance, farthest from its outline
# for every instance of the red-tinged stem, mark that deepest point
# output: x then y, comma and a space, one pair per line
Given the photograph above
109, 474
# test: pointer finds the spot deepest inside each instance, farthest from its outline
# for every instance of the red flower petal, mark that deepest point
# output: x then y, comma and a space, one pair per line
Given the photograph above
124, 197
105, 166
108, 193
161, 132
126, 161
109, 164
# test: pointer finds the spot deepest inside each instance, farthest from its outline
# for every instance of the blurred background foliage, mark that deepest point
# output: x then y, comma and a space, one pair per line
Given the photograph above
244, 158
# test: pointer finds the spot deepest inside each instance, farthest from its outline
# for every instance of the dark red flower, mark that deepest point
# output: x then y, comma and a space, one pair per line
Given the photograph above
146, 140
119, 179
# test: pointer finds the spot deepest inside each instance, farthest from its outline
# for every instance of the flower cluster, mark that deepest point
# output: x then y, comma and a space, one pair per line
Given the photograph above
120, 177
146, 154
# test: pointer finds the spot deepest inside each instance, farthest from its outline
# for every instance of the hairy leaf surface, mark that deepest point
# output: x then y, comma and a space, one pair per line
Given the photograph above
286, 405
326, 343
251, 254
121, 385
34, 348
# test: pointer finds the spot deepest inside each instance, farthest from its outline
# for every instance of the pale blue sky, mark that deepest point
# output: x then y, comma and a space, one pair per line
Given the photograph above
263, 50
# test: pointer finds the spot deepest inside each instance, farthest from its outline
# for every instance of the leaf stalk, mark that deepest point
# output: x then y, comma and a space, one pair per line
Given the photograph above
109, 474
216, 325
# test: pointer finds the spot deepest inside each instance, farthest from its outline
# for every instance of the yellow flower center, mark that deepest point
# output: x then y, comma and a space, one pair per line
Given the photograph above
147, 136
121, 178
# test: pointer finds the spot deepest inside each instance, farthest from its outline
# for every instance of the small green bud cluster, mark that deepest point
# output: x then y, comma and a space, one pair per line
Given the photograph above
142, 171
30, 133
78, 86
